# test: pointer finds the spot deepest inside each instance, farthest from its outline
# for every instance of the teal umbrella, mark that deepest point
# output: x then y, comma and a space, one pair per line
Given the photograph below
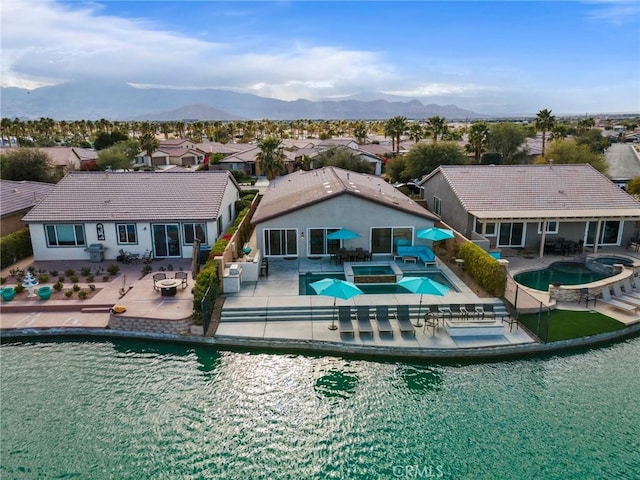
423, 286
336, 288
435, 234
343, 234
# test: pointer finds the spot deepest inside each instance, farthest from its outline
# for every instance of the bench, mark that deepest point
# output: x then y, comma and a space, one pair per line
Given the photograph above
423, 253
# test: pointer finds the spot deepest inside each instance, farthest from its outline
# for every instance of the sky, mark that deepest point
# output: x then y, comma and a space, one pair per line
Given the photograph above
491, 57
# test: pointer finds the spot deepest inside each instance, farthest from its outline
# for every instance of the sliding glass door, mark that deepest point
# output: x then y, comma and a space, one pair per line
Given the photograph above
280, 243
166, 240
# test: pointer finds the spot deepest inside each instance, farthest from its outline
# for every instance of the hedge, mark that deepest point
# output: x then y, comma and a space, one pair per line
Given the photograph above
14, 247
208, 277
219, 247
485, 269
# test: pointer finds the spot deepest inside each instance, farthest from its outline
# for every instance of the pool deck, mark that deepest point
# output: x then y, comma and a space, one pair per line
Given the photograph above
280, 289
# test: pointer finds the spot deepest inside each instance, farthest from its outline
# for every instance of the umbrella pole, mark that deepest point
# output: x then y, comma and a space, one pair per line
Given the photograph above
418, 324
333, 317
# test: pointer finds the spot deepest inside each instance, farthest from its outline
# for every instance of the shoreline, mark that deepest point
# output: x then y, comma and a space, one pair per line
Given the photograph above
372, 352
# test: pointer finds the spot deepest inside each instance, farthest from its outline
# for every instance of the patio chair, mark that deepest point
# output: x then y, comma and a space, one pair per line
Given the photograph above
618, 295
382, 319
470, 310
512, 320
156, 278
628, 288
364, 322
124, 257
344, 320
404, 320
456, 312
587, 297
184, 276
606, 298
434, 313
147, 256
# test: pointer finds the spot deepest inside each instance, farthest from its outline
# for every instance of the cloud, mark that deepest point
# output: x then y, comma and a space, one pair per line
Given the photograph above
616, 12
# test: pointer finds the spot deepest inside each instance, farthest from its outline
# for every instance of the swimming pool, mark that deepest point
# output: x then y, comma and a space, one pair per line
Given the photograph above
613, 259
564, 273
370, 288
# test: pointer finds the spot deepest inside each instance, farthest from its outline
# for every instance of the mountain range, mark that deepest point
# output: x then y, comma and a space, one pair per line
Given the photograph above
120, 101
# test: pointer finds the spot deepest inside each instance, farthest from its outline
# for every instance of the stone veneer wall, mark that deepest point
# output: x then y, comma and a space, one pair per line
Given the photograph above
179, 327
571, 293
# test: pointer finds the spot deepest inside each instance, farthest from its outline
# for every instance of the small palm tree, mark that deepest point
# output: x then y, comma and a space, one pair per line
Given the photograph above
395, 128
544, 122
478, 134
270, 158
437, 125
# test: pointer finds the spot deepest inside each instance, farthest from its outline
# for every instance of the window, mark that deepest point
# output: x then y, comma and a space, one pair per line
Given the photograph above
609, 232
437, 206
384, 240
65, 235
219, 223
490, 229
552, 226
511, 235
281, 242
319, 244
127, 233
194, 231
229, 208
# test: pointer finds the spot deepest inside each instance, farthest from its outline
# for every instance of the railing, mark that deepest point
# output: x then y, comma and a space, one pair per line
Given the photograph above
206, 305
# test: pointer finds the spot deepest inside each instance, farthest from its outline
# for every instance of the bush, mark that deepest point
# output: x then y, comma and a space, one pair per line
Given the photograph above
57, 286
53, 273
83, 294
18, 288
207, 278
113, 269
61, 278
14, 247
74, 279
90, 278
43, 278
485, 269
146, 270
105, 278
76, 287
69, 272
68, 293
85, 271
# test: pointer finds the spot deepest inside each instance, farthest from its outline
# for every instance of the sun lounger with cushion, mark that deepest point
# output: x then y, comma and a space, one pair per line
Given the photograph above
606, 298
629, 290
382, 319
402, 315
362, 317
344, 320
618, 295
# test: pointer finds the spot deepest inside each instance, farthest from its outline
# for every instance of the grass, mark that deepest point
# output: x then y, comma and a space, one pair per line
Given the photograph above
568, 324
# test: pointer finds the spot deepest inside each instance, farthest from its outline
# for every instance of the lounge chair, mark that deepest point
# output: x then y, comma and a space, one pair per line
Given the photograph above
404, 320
156, 278
382, 319
470, 310
512, 320
629, 290
618, 295
456, 312
344, 320
364, 322
606, 298
147, 256
184, 276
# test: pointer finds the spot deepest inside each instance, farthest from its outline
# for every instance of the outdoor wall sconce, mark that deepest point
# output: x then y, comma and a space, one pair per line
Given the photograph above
301, 234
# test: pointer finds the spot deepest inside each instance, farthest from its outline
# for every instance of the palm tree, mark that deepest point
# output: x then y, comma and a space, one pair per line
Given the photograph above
478, 134
416, 132
395, 128
544, 122
270, 158
149, 143
438, 125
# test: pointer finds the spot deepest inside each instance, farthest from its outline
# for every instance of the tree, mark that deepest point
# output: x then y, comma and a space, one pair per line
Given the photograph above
342, 158
270, 158
478, 134
544, 122
149, 143
395, 128
105, 139
633, 187
507, 139
437, 125
27, 164
416, 132
120, 156
593, 139
423, 158
360, 132
395, 169
569, 151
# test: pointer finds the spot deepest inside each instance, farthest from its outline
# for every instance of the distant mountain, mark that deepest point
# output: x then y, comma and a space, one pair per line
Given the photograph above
120, 101
190, 112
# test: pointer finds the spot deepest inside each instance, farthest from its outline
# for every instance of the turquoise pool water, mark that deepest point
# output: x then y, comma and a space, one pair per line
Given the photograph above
369, 288
129, 410
565, 273
372, 270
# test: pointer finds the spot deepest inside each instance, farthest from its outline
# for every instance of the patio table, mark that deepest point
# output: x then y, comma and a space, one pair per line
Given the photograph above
169, 287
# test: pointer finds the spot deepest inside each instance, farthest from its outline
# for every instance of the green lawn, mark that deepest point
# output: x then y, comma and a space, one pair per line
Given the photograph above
566, 324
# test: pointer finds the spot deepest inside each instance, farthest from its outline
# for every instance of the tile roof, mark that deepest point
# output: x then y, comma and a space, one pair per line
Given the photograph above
133, 196
304, 188
17, 196
536, 191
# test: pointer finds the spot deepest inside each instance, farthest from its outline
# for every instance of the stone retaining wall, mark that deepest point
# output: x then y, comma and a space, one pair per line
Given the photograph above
152, 325
571, 293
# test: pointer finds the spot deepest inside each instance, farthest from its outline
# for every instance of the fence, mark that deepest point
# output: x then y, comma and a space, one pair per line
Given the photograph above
519, 301
206, 306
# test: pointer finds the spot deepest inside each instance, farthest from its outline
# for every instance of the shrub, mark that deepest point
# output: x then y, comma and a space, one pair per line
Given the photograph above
43, 278
76, 287
146, 270
61, 278
170, 267
74, 279
68, 293
69, 272
31, 269
14, 247
85, 271
57, 286
485, 269
3, 280
106, 278
53, 273
208, 277
90, 278
113, 269
83, 294
18, 288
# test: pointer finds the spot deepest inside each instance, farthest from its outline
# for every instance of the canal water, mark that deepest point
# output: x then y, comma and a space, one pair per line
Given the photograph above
132, 410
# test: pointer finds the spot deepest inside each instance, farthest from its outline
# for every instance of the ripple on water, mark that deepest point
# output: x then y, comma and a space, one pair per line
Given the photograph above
136, 410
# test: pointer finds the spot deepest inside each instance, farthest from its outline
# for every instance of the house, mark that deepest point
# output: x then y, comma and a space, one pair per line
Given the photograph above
133, 211
68, 159
166, 156
299, 210
528, 206
17, 198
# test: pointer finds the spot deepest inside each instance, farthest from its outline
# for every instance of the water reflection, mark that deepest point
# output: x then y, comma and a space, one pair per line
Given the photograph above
336, 384
419, 379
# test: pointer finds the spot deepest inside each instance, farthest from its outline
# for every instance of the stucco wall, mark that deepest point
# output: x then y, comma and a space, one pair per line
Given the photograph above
344, 211
452, 211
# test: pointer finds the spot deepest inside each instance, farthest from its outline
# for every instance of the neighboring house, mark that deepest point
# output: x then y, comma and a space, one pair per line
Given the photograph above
299, 210
132, 211
524, 206
16, 199
244, 161
68, 159
183, 157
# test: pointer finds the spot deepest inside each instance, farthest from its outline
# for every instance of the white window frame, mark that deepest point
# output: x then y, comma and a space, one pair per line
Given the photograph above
556, 223
437, 206
74, 227
192, 226
126, 225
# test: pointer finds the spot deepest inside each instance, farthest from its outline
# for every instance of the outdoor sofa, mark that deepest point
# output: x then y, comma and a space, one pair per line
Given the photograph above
421, 252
